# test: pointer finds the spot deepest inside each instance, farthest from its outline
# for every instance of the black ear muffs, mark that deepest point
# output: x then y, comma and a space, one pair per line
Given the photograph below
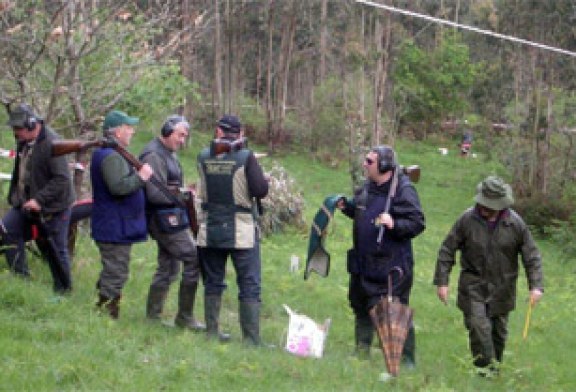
171, 123
30, 119
386, 158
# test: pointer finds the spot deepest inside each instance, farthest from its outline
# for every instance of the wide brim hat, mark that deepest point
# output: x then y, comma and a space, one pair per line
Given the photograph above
494, 193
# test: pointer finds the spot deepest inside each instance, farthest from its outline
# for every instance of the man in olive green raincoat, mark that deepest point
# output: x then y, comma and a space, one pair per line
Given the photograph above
489, 236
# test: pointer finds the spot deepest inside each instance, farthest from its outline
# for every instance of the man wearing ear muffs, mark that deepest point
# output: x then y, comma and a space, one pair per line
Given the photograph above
41, 196
387, 216
168, 224
230, 187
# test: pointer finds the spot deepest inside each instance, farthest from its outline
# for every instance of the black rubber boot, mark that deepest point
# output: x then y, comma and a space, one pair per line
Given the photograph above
212, 304
113, 307
185, 317
364, 335
409, 350
155, 304
250, 322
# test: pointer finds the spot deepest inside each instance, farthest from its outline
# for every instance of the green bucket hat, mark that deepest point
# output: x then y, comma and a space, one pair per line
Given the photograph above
494, 193
115, 118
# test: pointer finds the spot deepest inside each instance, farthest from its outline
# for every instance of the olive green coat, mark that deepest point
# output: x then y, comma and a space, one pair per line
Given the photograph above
489, 260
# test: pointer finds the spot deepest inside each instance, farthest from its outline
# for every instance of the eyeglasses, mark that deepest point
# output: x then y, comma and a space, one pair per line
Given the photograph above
368, 161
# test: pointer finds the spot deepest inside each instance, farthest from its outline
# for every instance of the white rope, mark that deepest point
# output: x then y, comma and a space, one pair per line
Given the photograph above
466, 27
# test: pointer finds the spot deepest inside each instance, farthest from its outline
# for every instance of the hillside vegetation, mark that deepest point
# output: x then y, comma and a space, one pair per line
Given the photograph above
50, 344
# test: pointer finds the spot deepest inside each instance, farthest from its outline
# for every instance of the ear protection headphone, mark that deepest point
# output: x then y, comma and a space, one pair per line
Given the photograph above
171, 123
386, 158
31, 119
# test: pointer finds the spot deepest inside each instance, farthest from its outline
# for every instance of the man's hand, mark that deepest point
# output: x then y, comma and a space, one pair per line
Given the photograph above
443, 294
31, 205
386, 220
535, 295
145, 172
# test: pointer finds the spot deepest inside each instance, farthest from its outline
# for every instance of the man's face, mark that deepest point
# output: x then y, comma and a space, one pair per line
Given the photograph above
487, 213
370, 165
177, 138
22, 134
124, 134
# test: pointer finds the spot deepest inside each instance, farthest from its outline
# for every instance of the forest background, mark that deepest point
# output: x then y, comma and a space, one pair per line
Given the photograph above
318, 79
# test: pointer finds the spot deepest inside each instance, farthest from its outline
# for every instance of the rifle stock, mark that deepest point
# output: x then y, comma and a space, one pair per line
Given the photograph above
63, 147
225, 146
412, 171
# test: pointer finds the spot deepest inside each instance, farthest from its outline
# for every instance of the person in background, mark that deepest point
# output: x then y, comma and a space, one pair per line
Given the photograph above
230, 187
118, 213
382, 243
490, 236
40, 196
169, 225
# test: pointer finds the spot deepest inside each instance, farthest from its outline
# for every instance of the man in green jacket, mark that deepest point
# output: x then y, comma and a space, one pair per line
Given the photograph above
40, 196
490, 236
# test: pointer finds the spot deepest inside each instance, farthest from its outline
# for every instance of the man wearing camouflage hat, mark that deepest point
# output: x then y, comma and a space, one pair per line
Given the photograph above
489, 236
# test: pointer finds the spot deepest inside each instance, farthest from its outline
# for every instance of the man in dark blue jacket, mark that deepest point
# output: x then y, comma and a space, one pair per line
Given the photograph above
118, 214
387, 215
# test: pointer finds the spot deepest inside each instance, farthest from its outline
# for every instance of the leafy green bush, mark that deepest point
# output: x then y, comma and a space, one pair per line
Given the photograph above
562, 234
542, 212
284, 205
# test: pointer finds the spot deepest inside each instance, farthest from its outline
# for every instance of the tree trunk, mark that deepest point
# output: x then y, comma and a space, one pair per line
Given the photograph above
217, 97
383, 34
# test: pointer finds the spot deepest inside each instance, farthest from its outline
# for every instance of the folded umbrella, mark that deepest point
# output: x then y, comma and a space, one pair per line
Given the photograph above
392, 320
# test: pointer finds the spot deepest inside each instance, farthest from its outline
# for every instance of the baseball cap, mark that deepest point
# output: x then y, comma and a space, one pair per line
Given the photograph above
115, 118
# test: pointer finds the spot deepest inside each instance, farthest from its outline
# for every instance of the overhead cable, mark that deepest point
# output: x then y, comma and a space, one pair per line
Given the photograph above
466, 27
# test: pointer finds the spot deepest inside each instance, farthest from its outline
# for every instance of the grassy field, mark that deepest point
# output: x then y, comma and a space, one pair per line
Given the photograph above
66, 345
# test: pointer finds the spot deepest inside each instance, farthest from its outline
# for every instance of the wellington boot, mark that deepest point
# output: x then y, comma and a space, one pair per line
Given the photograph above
185, 317
155, 303
212, 304
364, 335
113, 307
409, 350
250, 323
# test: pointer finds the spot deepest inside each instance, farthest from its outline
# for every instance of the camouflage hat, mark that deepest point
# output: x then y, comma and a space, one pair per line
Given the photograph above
494, 193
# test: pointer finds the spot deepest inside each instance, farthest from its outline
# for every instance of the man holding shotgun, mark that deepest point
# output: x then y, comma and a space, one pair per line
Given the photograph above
40, 195
387, 215
169, 225
118, 214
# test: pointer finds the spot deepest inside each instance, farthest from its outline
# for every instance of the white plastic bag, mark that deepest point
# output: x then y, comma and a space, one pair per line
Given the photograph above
306, 337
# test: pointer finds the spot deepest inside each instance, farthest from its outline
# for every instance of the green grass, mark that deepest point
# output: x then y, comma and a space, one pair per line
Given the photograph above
67, 345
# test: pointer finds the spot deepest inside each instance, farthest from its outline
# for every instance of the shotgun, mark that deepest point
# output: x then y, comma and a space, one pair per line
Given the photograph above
62, 147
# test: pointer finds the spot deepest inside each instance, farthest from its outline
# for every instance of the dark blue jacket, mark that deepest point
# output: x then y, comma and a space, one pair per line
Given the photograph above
115, 219
375, 261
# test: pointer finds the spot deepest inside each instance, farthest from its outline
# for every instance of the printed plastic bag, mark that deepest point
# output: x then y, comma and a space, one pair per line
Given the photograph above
306, 337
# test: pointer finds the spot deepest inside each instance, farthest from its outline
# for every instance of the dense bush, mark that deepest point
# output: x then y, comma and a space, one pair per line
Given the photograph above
284, 205
542, 212
562, 234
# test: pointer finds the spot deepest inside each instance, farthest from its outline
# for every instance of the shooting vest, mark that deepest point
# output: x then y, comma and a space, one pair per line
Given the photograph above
173, 168
227, 219
115, 219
